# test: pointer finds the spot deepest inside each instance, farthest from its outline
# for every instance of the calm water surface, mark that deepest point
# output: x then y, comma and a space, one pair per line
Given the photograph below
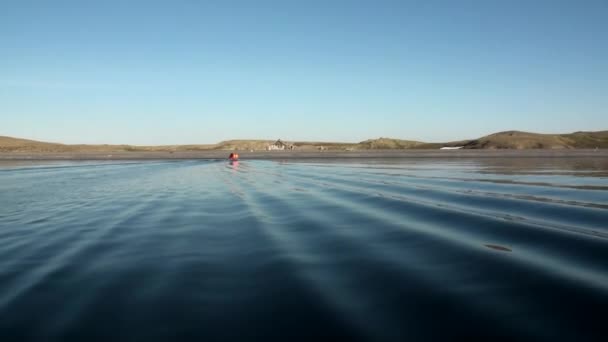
366, 250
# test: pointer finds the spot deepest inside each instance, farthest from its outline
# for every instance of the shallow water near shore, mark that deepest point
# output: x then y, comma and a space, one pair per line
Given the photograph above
365, 249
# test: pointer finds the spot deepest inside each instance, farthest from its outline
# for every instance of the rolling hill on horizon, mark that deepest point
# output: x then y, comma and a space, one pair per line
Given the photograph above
501, 140
525, 140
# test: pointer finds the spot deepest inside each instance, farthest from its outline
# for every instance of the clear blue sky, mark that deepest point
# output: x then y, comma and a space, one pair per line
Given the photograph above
172, 72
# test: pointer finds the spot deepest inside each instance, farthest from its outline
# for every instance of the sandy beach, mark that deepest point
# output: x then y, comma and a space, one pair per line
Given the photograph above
274, 155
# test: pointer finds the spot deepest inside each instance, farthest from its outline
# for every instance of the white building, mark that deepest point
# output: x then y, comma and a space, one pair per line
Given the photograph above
277, 146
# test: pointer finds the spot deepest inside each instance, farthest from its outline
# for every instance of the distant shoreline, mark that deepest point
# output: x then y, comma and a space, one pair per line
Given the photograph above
278, 155
506, 140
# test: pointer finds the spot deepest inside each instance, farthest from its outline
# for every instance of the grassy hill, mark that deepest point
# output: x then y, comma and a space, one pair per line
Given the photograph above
242, 145
501, 140
387, 144
588, 139
8, 144
372, 144
525, 140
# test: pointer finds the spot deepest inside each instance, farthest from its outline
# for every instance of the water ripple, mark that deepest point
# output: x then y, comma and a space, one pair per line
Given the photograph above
364, 250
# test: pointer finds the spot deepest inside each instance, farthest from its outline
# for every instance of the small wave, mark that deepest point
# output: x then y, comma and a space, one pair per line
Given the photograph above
378, 250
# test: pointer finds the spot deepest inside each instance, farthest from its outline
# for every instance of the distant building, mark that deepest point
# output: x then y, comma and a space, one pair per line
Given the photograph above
451, 148
280, 146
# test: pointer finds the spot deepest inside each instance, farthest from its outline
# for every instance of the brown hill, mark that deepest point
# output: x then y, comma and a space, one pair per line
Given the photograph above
525, 140
387, 144
588, 139
242, 145
8, 144
501, 140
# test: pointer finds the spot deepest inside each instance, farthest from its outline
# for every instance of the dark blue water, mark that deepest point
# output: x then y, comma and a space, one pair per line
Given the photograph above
501, 249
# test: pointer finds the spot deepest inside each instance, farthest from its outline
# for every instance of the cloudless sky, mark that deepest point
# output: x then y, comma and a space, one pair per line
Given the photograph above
185, 71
